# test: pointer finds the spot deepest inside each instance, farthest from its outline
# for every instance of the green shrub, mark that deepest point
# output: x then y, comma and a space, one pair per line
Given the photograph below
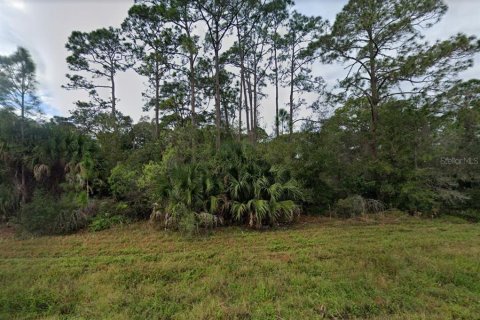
103, 222
123, 181
178, 190
237, 186
125, 188
357, 205
417, 198
350, 207
110, 207
474, 196
47, 214
8, 201
255, 192
188, 223
472, 215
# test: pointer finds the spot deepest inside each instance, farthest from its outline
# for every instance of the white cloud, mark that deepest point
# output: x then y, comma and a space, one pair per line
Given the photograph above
16, 4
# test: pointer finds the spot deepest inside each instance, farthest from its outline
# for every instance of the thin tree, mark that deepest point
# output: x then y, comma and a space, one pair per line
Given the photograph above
301, 31
18, 86
219, 17
184, 17
153, 43
278, 9
96, 56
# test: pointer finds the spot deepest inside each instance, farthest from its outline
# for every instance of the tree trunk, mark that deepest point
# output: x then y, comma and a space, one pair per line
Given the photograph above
112, 79
247, 114
227, 123
88, 192
415, 146
240, 108
191, 59
292, 71
217, 98
192, 89
250, 98
375, 98
22, 136
255, 106
243, 87
373, 141
22, 123
157, 104
277, 120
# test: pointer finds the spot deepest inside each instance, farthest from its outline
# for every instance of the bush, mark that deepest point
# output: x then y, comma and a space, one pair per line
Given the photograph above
237, 186
178, 192
357, 205
132, 210
123, 182
8, 201
103, 222
472, 215
306, 163
188, 223
255, 192
109, 207
350, 207
474, 196
416, 198
124, 187
46, 214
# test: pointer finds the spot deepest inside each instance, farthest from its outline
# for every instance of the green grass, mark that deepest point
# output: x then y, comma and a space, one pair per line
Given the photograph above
404, 268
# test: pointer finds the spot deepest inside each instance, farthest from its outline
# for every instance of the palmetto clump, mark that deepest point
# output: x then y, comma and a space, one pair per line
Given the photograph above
257, 193
237, 187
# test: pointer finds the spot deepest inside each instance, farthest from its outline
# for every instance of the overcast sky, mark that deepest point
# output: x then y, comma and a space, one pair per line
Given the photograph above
43, 26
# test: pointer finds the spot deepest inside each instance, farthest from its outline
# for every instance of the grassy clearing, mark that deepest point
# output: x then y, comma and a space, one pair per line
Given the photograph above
401, 269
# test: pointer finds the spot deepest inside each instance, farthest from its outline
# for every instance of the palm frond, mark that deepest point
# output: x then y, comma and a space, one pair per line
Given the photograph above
260, 207
283, 209
275, 191
292, 189
260, 185
40, 171
214, 204
239, 210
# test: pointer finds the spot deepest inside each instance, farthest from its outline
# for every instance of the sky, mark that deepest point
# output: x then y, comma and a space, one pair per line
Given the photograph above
43, 26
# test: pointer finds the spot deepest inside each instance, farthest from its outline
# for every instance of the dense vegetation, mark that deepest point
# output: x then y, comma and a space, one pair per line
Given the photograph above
400, 130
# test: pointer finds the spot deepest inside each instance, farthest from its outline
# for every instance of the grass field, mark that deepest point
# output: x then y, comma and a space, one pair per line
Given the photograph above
396, 268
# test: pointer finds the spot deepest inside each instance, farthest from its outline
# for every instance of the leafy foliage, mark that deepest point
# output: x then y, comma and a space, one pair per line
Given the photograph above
103, 222
257, 193
46, 214
18, 83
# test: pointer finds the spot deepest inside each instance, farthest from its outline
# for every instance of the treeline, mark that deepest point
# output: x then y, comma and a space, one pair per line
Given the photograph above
402, 130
